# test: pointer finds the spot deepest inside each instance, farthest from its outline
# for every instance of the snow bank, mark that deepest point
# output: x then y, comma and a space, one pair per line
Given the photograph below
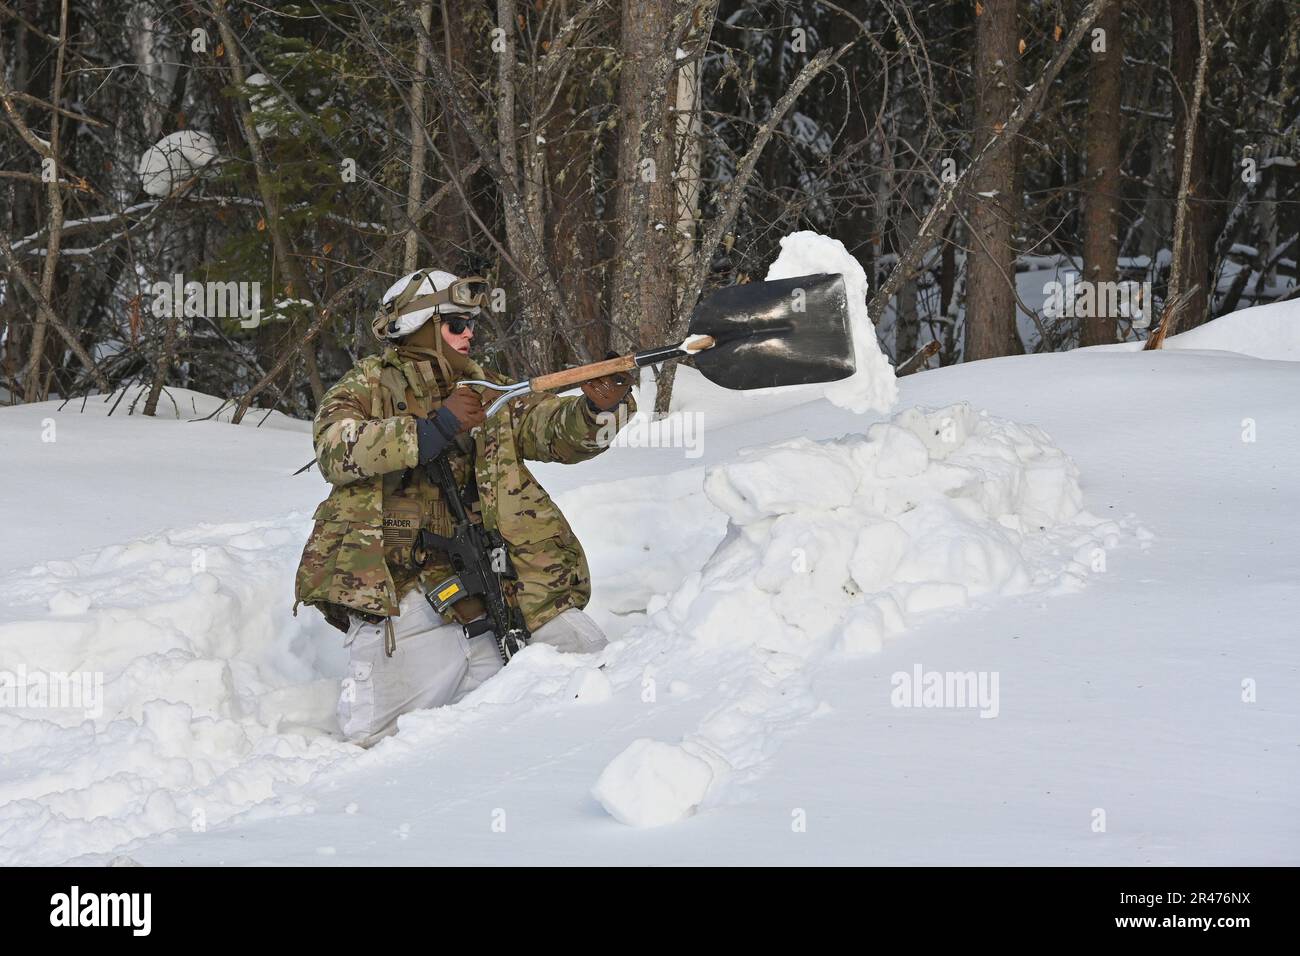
1263, 331
873, 386
98, 480
204, 696
835, 547
1143, 651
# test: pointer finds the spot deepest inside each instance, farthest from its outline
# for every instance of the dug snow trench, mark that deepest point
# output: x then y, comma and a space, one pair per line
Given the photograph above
1123, 734
214, 700
753, 587
202, 696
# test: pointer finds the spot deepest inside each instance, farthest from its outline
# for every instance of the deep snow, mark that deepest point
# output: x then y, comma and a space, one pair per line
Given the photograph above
758, 695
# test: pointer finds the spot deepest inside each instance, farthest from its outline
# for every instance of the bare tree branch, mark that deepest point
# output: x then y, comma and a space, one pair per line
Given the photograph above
1175, 299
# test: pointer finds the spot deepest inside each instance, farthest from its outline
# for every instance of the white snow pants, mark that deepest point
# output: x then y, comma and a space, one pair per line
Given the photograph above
434, 664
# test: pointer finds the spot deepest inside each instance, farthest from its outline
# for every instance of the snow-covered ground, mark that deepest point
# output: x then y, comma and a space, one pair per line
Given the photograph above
1102, 540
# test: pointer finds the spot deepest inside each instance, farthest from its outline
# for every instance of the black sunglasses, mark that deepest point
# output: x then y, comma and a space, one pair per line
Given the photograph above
458, 326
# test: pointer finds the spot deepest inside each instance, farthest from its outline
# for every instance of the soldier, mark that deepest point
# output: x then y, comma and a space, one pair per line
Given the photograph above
393, 413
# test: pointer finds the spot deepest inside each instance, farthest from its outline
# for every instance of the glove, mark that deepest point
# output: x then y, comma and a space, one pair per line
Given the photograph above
460, 411
605, 393
465, 406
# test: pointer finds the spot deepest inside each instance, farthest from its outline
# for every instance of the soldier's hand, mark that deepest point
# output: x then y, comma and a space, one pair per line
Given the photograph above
464, 404
608, 390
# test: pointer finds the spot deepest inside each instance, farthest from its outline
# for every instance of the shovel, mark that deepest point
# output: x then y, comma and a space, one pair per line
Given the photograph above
758, 335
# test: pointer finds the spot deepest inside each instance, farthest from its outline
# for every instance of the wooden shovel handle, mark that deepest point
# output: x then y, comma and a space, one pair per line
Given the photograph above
557, 381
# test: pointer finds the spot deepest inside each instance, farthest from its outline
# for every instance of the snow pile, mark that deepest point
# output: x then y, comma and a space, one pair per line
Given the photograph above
805, 728
202, 694
835, 547
873, 386
174, 159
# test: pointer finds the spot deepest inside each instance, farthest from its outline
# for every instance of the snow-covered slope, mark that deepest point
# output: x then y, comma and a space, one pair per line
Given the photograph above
1265, 331
1145, 697
92, 474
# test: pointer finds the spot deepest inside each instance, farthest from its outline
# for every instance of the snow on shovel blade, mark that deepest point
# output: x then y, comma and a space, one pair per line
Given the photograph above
783, 332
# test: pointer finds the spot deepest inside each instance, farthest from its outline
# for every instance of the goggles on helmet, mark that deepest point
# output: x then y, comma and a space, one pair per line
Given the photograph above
469, 292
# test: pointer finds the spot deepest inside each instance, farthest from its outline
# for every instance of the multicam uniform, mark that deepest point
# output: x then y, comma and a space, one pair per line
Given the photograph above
356, 568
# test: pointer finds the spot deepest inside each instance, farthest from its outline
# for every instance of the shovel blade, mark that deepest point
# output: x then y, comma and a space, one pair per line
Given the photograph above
783, 332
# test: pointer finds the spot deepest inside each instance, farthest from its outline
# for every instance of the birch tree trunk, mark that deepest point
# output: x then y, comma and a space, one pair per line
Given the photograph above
416, 182
526, 213
1186, 300
688, 130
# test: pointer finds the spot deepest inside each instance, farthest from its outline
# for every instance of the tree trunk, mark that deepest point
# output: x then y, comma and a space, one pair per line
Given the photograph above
164, 365
685, 191
948, 271
521, 217
642, 295
1102, 186
689, 129
906, 322
572, 235
995, 205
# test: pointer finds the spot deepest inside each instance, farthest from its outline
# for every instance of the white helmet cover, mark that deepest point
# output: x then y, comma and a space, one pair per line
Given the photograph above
434, 280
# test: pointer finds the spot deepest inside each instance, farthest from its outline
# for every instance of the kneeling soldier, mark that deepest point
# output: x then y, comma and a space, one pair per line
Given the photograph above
375, 433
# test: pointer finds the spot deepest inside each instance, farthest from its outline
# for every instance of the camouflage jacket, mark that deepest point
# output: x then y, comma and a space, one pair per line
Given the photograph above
365, 437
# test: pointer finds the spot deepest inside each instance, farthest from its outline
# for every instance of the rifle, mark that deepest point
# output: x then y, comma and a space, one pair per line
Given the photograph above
480, 562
